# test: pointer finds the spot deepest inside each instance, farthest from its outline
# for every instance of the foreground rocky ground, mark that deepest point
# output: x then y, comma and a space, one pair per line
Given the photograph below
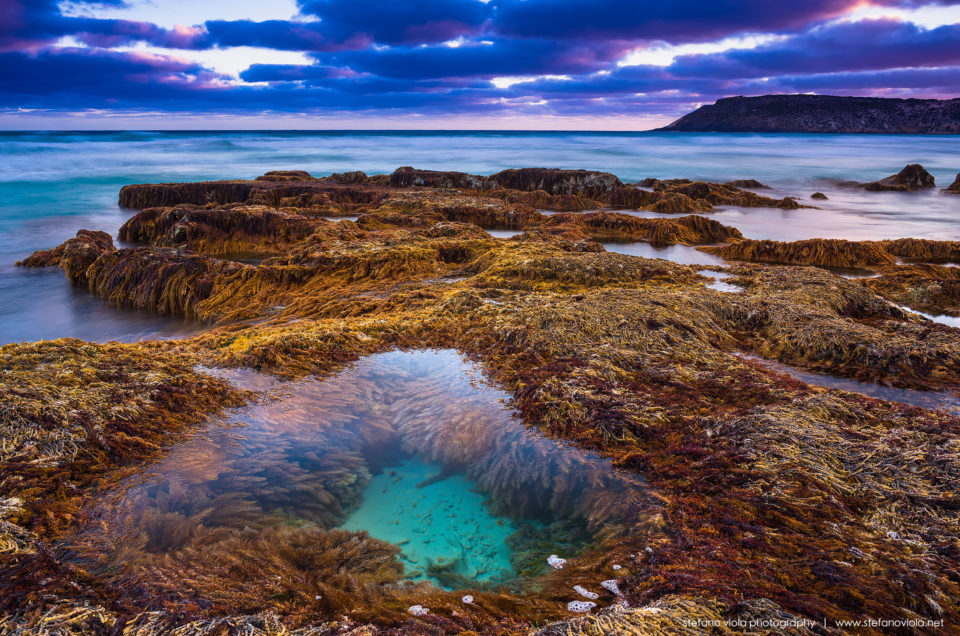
774, 499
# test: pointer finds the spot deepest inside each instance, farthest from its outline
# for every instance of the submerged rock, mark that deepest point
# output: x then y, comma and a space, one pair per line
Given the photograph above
912, 177
819, 196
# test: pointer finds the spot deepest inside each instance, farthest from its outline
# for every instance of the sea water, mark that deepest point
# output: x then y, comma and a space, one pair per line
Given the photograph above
414, 448
54, 183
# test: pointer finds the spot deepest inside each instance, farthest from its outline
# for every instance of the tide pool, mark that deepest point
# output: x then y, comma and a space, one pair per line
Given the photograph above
412, 447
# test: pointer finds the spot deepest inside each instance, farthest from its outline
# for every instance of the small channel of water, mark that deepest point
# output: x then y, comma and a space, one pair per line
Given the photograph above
924, 399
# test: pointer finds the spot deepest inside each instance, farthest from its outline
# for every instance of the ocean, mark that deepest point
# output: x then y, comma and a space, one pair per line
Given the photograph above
54, 183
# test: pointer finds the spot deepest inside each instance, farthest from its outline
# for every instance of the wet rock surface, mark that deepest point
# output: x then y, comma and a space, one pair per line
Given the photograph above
911, 178
633, 359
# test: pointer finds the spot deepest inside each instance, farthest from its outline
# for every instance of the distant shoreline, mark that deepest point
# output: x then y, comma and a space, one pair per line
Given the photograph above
454, 131
823, 114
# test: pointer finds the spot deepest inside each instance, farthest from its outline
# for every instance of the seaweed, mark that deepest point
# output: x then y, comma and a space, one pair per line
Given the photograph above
720, 488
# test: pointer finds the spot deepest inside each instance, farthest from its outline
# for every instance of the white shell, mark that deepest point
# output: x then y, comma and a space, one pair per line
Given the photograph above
617, 567
467, 599
611, 585
418, 610
580, 606
584, 592
556, 562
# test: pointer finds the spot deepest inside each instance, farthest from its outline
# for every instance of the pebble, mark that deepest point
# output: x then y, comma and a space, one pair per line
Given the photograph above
611, 584
617, 567
580, 606
584, 592
467, 599
556, 562
418, 610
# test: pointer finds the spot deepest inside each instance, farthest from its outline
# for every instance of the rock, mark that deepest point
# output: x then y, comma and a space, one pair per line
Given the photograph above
73, 256
819, 196
912, 177
746, 183
355, 176
611, 585
954, 188
286, 176
234, 228
584, 592
405, 177
580, 607
588, 183
679, 203
819, 252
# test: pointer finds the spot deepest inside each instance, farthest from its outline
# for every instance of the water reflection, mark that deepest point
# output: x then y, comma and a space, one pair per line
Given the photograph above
943, 319
683, 254
924, 399
503, 234
719, 283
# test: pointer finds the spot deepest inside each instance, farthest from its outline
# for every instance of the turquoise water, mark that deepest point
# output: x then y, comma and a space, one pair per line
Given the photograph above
414, 448
437, 524
54, 183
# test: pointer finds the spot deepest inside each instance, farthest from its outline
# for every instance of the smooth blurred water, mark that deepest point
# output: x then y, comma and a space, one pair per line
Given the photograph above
54, 183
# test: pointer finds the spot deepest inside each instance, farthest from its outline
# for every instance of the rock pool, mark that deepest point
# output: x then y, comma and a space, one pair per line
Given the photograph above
413, 448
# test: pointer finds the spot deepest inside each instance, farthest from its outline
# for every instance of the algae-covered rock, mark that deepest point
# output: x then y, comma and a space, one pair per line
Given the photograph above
284, 176
588, 183
747, 183
820, 252
406, 176
73, 256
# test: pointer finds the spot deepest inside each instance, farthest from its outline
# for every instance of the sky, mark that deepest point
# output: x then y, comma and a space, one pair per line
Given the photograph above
452, 64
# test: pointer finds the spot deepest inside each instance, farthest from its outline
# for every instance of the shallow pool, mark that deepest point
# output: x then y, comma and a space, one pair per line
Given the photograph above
414, 448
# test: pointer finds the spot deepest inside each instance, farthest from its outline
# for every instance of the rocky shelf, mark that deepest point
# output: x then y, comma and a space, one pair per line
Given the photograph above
765, 498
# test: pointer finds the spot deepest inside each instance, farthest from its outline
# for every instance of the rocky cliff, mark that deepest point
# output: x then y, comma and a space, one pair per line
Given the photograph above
823, 114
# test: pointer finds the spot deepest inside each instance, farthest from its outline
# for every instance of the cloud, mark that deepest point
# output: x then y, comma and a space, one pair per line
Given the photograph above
462, 57
864, 45
399, 22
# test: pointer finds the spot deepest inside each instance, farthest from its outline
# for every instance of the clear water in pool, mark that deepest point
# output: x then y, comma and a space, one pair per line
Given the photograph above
412, 447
